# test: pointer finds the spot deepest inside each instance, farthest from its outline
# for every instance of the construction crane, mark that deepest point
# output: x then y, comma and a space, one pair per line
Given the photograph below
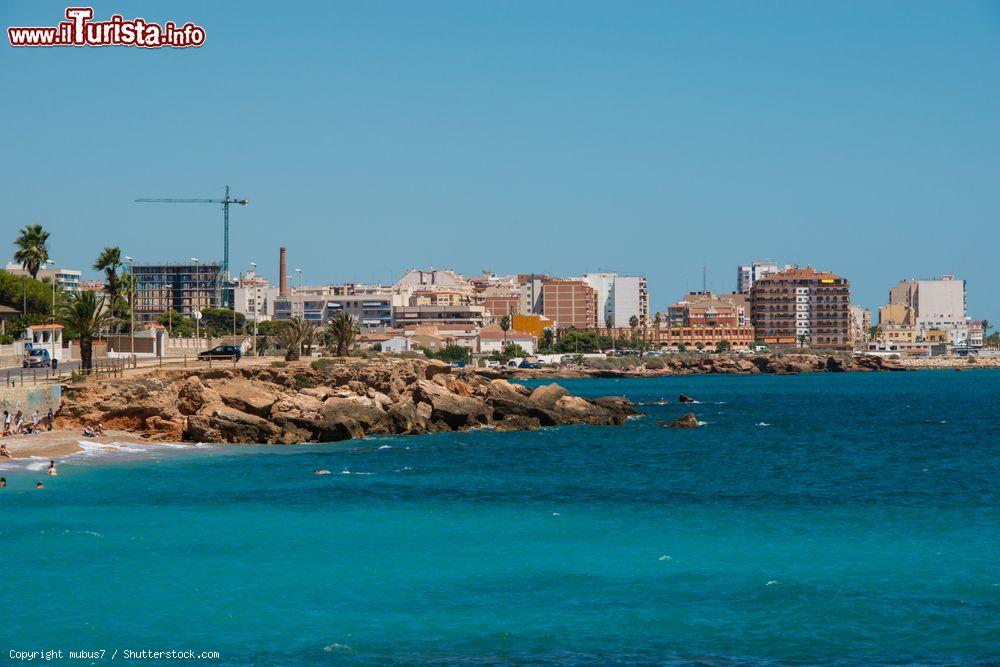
226, 201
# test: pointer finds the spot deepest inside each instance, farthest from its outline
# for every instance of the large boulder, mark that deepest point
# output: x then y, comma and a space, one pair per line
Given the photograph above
515, 423
458, 412
248, 396
548, 395
221, 423
193, 395
406, 419
436, 367
341, 418
687, 421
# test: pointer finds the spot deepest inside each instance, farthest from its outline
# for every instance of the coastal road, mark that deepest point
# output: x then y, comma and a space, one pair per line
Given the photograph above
16, 371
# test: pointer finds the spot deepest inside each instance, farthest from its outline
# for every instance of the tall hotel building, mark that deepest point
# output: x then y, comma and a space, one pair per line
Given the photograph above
802, 307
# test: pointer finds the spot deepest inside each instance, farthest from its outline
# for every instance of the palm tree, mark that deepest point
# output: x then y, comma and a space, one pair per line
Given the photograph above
291, 335
505, 327
31, 249
31, 254
548, 340
85, 314
308, 340
633, 323
875, 332
109, 261
342, 331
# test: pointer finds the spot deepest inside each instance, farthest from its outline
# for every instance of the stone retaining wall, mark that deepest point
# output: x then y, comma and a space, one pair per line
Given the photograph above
29, 399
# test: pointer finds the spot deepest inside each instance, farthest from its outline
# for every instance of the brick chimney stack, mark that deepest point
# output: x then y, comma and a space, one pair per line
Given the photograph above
282, 274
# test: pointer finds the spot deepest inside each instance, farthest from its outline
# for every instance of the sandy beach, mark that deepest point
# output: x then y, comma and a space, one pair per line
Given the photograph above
60, 442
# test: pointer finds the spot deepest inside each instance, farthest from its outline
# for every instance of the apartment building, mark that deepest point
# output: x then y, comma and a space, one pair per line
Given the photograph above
748, 274
183, 287
802, 306
707, 309
68, 280
570, 303
619, 298
530, 289
369, 308
860, 322
938, 303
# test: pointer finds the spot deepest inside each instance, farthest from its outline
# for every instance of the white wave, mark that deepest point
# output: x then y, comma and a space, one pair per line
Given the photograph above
772, 582
100, 448
702, 423
762, 424
337, 647
345, 471
386, 447
665, 557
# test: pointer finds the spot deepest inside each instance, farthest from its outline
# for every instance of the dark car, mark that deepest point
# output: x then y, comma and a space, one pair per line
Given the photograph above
529, 364
222, 352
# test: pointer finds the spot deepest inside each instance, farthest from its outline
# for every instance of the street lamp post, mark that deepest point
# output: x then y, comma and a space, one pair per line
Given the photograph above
197, 307
52, 332
131, 310
256, 305
299, 290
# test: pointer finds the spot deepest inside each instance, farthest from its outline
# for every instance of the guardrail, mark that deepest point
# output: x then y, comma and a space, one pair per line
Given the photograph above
28, 377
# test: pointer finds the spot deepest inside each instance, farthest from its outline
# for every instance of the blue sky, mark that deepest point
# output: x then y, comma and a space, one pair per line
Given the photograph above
561, 137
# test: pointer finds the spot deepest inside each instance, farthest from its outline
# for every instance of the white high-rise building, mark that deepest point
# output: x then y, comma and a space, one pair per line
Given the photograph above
748, 274
620, 298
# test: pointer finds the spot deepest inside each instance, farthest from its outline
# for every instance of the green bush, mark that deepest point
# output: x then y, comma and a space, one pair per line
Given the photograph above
303, 381
322, 364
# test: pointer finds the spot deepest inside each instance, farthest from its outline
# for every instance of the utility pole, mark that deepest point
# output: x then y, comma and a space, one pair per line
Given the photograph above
256, 306
52, 333
131, 310
197, 309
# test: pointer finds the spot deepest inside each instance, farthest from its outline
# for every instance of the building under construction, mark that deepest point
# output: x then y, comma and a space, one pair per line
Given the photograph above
182, 287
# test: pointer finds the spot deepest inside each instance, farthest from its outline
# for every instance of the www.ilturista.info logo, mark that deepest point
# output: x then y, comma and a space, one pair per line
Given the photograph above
80, 30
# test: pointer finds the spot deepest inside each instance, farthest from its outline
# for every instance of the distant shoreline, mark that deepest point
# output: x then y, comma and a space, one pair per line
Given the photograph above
790, 364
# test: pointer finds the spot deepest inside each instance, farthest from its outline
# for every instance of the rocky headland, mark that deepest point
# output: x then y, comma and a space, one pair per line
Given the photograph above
692, 364
326, 401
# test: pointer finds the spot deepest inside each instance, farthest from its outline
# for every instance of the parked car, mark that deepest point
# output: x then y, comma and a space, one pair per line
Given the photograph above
457, 364
529, 364
36, 357
222, 352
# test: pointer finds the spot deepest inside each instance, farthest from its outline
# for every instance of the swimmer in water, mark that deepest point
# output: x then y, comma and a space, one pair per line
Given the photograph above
52, 469
321, 472
3, 482
39, 485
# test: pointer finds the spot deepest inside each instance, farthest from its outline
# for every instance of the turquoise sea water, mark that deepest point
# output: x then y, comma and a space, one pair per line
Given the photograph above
850, 519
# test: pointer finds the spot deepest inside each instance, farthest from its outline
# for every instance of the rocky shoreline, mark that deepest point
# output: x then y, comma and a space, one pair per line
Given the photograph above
324, 401
731, 364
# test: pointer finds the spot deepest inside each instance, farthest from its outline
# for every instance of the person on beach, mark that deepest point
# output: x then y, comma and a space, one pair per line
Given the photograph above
88, 432
6, 422
4, 452
52, 469
18, 422
50, 419
99, 429
35, 418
